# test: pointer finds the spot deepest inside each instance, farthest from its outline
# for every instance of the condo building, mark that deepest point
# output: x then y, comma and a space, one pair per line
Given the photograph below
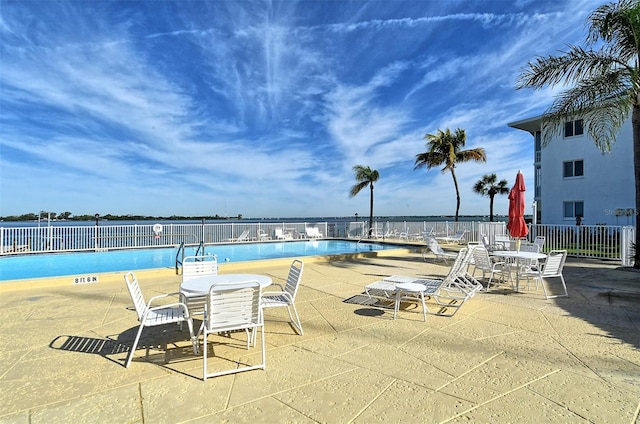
575, 183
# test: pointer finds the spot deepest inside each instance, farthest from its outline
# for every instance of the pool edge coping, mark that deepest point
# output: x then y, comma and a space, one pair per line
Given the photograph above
109, 277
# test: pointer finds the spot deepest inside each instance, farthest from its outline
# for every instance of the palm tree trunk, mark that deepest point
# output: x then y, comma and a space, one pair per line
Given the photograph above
455, 183
635, 121
371, 210
491, 208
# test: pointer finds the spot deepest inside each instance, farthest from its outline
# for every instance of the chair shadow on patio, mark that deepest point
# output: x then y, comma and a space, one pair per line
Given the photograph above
156, 345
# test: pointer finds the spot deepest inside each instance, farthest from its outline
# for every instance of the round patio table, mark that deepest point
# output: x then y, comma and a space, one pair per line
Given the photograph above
201, 285
518, 256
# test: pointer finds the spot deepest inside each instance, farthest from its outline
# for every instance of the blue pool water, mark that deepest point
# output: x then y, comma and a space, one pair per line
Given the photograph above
55, 265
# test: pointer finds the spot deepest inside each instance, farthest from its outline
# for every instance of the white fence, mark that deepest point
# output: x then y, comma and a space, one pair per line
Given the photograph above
589, 241
53, 238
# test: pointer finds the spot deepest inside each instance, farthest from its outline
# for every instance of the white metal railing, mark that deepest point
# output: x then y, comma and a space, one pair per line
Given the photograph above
69, 238
589, 241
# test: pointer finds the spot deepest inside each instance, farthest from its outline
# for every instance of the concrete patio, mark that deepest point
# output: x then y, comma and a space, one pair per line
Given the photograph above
504, 357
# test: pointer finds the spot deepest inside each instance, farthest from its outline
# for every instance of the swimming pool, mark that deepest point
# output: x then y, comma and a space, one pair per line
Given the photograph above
59, 264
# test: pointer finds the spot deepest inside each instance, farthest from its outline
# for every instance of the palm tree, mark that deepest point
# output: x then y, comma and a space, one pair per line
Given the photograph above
444, 149
605, 83
365, 176
487, 187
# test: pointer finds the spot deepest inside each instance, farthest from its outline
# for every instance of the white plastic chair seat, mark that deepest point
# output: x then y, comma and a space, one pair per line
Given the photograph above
165, 315
274, 300
381, 288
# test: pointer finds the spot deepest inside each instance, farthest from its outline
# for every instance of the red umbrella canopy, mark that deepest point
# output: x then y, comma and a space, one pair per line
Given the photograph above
516, 225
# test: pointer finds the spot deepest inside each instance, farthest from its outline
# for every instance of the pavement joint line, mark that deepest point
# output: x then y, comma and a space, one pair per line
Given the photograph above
636, 415
549, 324
413, 338
355, 417
501, 395
106, 310
351, 351
500, 335
568, 351
288, 389
470, 370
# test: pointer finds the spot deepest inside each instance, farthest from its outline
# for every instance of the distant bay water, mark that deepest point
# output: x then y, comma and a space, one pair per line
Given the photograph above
378, 219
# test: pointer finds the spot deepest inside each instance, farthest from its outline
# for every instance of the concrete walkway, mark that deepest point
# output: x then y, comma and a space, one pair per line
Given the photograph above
503, 358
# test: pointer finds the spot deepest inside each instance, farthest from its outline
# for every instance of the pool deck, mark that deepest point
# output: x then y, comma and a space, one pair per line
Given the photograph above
504, 357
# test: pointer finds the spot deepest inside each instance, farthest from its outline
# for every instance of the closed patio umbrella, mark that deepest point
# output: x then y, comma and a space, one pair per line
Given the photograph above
517, 227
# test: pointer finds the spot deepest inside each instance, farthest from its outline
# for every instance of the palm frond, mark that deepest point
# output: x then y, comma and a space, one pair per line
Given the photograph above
603, 102
573, 66
617, 24
357, 188
478, 155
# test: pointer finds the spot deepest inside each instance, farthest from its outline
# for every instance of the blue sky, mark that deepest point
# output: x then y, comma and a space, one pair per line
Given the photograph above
263, 108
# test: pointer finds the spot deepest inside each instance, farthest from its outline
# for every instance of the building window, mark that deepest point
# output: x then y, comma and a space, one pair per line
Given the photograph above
573, 168
573, 128
573, 209
538, 147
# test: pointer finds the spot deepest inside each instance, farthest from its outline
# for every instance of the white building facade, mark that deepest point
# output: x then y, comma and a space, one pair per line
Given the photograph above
575, 182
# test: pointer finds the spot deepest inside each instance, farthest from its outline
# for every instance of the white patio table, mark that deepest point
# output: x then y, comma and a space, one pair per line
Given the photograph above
200, 285
518, 256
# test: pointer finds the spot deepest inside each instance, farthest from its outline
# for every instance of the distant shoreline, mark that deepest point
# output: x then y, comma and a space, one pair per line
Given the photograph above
146, 221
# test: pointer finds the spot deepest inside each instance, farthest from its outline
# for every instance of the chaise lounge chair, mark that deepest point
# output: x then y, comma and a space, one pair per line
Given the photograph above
436, 249
450, 292
242, 237
458, 237
281, 235
313, 232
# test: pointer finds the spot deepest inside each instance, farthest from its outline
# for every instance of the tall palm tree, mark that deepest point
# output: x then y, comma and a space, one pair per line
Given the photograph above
365, 176
444, 148
605, 82
489, 186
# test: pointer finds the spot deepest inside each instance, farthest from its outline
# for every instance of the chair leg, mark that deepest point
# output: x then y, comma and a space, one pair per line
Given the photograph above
204, 356
564, 287
296, 322
194, 340
133, 347
544, 288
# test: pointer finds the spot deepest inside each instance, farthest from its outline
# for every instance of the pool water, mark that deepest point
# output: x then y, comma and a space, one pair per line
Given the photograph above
91, 263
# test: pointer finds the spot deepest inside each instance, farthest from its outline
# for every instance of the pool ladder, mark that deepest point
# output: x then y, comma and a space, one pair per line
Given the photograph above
181, 254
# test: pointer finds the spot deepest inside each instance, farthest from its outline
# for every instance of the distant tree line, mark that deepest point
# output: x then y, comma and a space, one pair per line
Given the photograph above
68, 216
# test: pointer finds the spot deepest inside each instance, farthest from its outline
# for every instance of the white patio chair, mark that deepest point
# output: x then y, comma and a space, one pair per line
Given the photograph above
287, 296
195, 267
551, 268
198, 266
230, 308
482, 261
150, 316
491, 247
502, 242
281, 235
539, 240
437, 250
263, 236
